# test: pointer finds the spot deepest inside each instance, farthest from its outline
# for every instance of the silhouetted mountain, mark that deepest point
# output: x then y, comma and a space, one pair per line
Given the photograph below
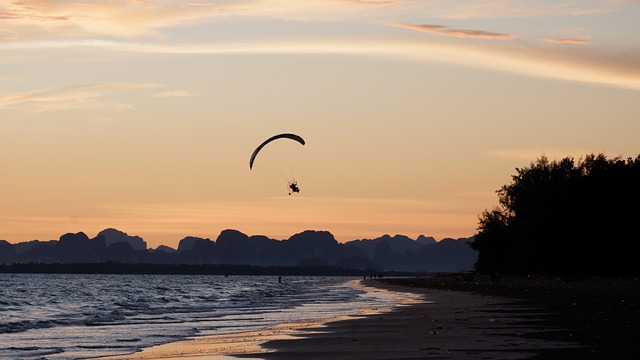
201, 252
388, 258
75, 248
398, 244
401, 253
35, 251
30, 245
447, 255
112, 236
165, 249
187, 243
426, 240
7, 252
232, 247
309, 246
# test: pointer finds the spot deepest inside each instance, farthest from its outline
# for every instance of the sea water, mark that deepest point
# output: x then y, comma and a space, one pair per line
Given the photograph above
70, 316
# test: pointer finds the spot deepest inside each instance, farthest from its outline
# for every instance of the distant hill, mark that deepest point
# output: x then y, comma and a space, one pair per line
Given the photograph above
402, 253
112, 236
306, 249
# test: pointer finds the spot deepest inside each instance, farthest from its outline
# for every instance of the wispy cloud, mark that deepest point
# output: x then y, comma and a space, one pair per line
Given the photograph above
24, 11
372, 2
45, 18
566, 41
580, 64
173, 93
505, 9
597, 65
460, 33
73, 97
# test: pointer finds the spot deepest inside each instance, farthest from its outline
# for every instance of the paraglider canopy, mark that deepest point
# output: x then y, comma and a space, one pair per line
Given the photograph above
292, 185
293, 137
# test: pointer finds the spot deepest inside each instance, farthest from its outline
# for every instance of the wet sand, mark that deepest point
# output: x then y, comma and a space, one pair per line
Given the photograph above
219, 347
601, 314
447, 325
515, 318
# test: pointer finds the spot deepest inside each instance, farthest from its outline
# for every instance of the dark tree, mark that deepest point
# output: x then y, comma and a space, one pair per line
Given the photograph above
492, 242
563, 217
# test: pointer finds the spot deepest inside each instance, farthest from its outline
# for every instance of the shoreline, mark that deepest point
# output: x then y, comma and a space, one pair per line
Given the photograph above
448, 324
248, 345
444, 318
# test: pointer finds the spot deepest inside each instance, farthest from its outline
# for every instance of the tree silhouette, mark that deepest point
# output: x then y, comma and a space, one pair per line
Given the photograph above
564, 217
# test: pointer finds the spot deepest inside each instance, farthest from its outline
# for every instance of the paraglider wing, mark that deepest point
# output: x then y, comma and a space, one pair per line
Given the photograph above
275, 137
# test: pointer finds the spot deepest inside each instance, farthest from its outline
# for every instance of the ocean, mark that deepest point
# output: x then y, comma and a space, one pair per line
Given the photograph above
71, 316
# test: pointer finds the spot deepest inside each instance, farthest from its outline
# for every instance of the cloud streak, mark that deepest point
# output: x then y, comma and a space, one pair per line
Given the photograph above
566, 41
372, 3
459, 33
173, 93
505, 9
131, 18
46, 19
579, 64
73, 97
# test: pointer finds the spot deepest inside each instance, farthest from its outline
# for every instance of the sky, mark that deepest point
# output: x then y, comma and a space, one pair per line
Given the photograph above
142, 115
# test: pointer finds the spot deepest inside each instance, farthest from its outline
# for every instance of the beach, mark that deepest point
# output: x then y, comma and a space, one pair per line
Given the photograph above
514, 318
600, 314
453, 325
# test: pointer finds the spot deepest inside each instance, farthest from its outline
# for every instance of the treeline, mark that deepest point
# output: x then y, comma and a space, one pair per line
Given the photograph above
179, 269
565, 217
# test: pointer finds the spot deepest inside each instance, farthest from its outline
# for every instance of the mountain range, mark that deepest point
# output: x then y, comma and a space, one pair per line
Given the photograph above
309, 248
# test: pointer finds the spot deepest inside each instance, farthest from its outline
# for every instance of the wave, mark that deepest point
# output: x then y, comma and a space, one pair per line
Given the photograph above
19, 326
104, 319
29, 352
98, 315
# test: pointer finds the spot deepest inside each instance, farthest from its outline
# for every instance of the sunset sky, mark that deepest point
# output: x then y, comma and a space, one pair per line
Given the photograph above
142, 115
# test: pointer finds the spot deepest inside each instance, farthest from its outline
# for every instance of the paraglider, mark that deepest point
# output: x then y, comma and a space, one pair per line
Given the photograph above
293, 184
293, 187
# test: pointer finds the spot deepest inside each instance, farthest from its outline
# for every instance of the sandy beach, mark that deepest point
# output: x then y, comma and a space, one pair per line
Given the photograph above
447, 324
600, 314
446, 318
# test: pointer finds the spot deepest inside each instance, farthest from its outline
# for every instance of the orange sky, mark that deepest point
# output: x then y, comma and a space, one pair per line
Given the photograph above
142, 115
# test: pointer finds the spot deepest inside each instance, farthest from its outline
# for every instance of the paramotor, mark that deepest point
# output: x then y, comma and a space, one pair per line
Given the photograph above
292, 185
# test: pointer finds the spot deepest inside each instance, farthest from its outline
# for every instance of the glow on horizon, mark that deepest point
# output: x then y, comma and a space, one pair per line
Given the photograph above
140, 115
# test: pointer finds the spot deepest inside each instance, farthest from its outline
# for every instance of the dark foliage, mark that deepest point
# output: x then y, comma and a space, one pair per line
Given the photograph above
565, 218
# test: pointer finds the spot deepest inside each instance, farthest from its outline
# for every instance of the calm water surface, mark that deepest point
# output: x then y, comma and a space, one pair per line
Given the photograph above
54, 316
